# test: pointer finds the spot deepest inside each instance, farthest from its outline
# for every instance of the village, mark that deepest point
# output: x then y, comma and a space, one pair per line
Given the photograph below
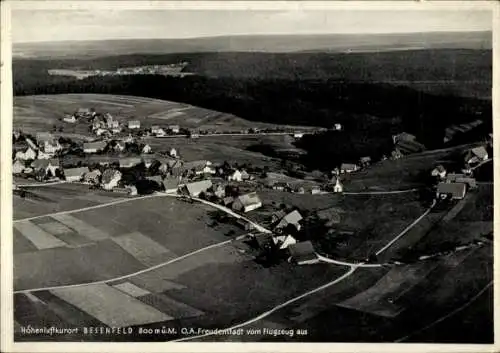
127, 165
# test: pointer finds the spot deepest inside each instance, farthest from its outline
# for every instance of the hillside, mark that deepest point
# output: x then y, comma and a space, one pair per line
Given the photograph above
263, 43
41, 112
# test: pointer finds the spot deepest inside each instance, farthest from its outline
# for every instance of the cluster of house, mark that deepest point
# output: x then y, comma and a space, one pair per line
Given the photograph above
300, 252
405, 144
454, 186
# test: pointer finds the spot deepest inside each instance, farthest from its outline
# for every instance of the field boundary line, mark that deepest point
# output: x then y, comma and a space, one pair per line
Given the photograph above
450, 314
277, 307
137, 273
117, 202
407, 229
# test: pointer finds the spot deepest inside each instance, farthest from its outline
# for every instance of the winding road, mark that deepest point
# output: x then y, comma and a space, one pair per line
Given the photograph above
352, 267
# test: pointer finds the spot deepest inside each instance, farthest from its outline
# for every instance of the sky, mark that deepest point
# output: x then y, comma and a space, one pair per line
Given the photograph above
58, 25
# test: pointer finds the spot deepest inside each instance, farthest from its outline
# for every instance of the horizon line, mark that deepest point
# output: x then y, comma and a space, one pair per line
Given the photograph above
249, 35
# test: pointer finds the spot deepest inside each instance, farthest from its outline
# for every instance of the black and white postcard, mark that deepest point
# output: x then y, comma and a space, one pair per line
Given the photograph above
247, 172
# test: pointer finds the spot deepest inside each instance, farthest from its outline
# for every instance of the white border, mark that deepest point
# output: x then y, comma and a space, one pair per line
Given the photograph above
7, 344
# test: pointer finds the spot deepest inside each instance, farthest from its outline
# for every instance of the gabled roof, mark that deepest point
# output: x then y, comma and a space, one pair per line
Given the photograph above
198, 186
480, 152
197, 165
293, 217
134, 122
302, 251
98, 145
171, 183
454, 176
279, 214
249, 199
130, 160
44, 163
440, 168
455, 189
75, 171
365, 159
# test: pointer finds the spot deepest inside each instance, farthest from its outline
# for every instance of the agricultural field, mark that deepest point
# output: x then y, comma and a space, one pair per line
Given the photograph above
405, 173
110, 241
44, 199
41, 112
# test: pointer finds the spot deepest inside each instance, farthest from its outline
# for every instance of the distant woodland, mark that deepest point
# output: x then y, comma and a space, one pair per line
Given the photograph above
370, 111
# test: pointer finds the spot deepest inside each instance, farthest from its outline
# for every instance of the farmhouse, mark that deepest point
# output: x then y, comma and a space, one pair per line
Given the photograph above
404, 136
278, 215
454, 191
129, 162
29, 154
84, 112
75, 174
245, 175
292, 218
315, 190
118, 146
92, 177
134, 124
51, 147
174, 128
48, 166
69, 119
199, 167
18, 167
247, 203
365, 161
110, 179
219, 191
147, 149
476, 155
196, 188
171, 184
470, 182
94, 147
348, 168
235, 176
439, 171
264, 241
303, 253
284, 241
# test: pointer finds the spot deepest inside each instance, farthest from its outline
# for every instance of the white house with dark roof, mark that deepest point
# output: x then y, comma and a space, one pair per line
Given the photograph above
247, 202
